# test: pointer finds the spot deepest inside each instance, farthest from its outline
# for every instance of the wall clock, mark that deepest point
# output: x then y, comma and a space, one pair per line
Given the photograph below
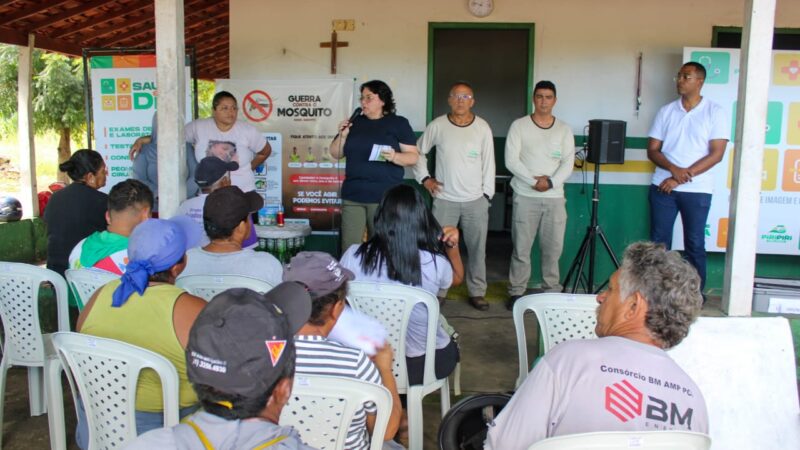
480, 8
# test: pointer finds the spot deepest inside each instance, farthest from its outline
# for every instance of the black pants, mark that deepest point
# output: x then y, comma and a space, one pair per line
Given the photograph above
446, 360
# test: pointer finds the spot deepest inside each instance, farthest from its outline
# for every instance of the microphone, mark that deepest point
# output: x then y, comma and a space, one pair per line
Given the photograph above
356, 113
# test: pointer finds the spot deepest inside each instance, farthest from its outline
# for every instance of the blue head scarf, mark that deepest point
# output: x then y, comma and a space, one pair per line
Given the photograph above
154, 246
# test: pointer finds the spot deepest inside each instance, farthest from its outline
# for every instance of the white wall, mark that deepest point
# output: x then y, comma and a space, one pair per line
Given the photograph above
587, 47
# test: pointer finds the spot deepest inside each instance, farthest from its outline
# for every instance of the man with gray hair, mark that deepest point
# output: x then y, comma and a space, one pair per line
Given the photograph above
623, 381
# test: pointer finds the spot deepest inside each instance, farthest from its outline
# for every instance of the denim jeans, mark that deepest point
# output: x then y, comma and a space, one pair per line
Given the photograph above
693, 207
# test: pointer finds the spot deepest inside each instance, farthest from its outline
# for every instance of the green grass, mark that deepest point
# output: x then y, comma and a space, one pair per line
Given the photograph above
46, 161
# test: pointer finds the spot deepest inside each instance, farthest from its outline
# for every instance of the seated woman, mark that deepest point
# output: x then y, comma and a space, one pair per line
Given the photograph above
145, 309
78, 210
433, 264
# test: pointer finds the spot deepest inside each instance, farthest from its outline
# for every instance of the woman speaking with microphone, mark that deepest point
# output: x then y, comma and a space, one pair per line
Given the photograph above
377, 144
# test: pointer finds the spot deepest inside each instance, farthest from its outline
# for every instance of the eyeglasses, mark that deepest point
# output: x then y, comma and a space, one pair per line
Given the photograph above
685, 77
367, 98
227, 108
461, 96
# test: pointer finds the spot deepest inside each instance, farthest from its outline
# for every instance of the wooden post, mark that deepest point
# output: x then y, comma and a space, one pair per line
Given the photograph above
171, 84
27, 150
754, 78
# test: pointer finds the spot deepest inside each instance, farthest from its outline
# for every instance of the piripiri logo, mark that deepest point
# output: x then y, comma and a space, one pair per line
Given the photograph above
777, 234
626, 403
123, 94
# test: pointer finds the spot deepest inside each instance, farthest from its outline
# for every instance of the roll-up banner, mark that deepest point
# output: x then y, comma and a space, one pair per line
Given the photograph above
299, 118
124, 95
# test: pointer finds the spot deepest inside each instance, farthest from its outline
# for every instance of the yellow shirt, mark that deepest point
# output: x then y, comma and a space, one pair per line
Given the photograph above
144, 321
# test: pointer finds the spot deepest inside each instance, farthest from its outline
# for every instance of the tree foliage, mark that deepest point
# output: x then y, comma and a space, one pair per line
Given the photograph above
205, 93
58, 96
59, 100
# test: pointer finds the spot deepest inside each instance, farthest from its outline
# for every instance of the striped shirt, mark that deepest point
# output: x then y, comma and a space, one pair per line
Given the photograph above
316, 355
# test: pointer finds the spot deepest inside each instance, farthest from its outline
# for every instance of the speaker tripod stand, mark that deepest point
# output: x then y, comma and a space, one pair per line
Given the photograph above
589, 247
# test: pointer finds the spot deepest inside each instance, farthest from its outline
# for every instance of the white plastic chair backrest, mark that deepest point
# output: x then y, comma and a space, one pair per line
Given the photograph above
207, 286
105, 372
645, 440
321, 408
561, 317
391, 304
85, 282
19, 310
746, 369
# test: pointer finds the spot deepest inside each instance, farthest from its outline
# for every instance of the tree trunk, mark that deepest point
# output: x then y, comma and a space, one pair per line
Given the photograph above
64, 152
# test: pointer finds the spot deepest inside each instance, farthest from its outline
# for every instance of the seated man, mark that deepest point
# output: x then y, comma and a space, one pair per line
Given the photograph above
241, 360
225, 217
623, 381
145, 309
212, 173
129, 204
327, 281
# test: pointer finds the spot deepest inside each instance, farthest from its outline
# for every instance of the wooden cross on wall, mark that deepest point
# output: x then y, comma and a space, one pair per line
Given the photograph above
333, 45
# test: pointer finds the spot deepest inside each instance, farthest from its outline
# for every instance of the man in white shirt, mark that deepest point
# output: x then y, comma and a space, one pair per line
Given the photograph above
540, 153
464, 183
623, 381
687, 139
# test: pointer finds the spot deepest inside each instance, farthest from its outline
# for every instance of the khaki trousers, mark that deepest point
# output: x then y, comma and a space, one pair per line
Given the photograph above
546, 217
473, 219
356, 216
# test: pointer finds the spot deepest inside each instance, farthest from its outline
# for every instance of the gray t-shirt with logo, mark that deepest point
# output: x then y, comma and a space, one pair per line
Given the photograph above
606, 384
221, 434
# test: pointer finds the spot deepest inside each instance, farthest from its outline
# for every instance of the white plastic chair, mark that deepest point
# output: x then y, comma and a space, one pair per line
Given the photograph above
321, 408
561, 317
614, 440
85, 282
24, 344
105, 373
391, 304
207, 286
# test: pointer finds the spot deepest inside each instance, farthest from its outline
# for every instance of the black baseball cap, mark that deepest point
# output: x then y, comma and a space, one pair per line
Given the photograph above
228, 206
210, 169
241, 342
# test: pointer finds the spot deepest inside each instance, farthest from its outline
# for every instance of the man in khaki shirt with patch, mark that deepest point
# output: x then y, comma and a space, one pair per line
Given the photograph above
463, 186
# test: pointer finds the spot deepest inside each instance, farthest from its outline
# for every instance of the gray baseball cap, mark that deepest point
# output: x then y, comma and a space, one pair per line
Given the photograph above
319, 271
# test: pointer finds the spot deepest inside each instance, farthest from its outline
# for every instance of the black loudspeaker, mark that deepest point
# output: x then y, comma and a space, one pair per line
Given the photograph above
606, 142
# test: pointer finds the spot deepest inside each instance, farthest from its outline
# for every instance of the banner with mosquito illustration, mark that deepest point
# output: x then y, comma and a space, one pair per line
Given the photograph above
300, 119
